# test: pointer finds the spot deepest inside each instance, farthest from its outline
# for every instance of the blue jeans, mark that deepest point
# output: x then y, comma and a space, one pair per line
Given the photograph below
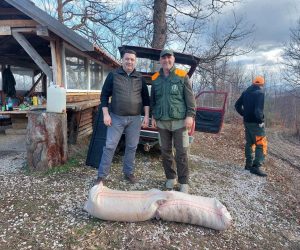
131, 126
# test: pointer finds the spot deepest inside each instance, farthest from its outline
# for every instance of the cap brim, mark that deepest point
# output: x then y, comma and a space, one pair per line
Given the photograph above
166, 54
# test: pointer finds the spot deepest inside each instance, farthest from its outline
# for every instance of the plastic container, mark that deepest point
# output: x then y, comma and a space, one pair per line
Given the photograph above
56, 99
9, 104
34, 100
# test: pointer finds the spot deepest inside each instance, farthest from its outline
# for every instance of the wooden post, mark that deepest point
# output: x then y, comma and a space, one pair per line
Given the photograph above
59, 73
46, 142
3, 95
56, 57
53, 60
44, 84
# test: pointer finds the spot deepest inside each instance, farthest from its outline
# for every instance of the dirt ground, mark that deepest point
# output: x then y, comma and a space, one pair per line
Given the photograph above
45, 210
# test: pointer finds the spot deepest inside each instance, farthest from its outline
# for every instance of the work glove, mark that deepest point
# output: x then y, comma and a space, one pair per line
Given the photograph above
261, 125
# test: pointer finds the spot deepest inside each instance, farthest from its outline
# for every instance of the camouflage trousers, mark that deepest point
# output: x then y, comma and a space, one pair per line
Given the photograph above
256, 143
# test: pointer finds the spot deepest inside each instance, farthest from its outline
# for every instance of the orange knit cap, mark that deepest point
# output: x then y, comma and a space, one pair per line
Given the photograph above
259, 80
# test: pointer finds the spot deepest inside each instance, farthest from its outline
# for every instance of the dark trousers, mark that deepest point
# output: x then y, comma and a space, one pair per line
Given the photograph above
167, 140
256, 142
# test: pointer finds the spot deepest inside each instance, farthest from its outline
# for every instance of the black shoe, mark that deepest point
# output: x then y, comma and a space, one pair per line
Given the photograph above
98, 180
248, 167
131, 178
258, 171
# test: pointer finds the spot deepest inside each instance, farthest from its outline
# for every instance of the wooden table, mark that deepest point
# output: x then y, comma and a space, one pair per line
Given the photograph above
14, 112
80, 117
18, 121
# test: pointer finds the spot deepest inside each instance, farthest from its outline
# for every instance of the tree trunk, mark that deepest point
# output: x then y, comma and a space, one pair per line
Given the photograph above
60, 11
46, 142
159, 24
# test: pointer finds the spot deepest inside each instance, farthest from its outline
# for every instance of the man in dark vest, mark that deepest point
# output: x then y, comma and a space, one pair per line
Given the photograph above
129, 95
250, 105
173, 112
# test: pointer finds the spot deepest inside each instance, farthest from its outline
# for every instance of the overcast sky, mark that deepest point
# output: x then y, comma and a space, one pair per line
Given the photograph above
272, 21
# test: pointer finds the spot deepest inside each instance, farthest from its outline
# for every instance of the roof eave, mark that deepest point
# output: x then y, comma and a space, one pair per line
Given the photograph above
53, 25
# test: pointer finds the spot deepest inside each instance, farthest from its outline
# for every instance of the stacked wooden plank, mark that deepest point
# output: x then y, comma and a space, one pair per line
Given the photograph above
81, 109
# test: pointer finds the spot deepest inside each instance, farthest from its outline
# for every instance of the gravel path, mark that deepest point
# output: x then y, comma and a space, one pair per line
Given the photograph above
44, 211
12, 153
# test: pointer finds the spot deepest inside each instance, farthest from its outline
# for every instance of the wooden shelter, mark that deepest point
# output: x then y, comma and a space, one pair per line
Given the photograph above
40, 50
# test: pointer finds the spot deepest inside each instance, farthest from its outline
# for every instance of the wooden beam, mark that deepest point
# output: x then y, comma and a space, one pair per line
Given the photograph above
22, 55
33, 54
18, 23
10, 11
24, 29
28, 93
5, 31
19, 55
42, 31
78, 106
78, 97
17, 62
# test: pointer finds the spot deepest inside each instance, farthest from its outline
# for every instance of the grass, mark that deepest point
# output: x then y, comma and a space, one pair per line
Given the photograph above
65, 168
61, 169
25, 168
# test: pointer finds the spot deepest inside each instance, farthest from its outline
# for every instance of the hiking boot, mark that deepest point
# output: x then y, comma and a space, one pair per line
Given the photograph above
98, 180
184, 188
131, 178
258, 171
170, 183
247, 167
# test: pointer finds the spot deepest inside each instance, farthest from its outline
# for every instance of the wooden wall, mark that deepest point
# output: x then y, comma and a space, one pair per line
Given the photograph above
81, 114
80, 97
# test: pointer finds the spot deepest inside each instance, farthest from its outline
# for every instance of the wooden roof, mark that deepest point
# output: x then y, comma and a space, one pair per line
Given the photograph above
25, 11
43, 18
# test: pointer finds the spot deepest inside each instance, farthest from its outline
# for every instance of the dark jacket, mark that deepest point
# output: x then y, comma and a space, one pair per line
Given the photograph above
8, 82
250, 105
129, 93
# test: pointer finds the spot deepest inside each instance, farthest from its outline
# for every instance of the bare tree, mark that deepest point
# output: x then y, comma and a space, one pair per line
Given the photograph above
154, 23
159, 24
188, 19
214, 66
99, 21
183, 21
187, 22
291, 62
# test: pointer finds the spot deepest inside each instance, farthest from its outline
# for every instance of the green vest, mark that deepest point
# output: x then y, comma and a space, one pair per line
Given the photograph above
169, 95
